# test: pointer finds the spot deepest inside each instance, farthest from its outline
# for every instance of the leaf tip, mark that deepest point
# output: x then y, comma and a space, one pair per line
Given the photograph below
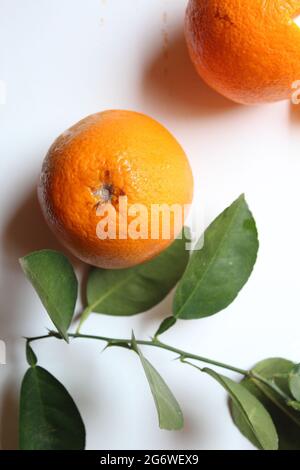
30, 355
64, 335
66, 338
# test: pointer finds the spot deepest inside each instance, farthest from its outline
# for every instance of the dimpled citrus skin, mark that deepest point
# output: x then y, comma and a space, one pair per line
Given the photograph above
133, 156
249, 51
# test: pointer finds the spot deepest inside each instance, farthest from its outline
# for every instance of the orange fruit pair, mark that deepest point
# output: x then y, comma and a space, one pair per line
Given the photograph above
249, 51
107, 160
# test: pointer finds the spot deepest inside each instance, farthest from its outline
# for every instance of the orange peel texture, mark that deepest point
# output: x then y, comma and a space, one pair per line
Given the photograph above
104, 156
249, 51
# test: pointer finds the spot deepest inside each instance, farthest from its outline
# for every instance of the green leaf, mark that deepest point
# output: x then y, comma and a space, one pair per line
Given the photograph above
49, 418
53, 278
294, 382
168, 410
218, 271
135, 290
166, 324
257, 422
30, 355
286, 420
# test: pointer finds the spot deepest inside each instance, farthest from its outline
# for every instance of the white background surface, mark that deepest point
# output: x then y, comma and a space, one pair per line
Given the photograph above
64, 59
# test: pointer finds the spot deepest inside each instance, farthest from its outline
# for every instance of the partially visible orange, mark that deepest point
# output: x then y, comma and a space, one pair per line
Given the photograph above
102, 157
249, 51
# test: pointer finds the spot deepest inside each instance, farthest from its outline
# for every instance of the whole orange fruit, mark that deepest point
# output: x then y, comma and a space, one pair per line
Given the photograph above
249, 51
105, 157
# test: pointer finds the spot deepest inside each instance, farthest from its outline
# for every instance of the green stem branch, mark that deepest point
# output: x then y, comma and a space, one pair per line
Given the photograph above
183, 355
83, 317
153, 343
